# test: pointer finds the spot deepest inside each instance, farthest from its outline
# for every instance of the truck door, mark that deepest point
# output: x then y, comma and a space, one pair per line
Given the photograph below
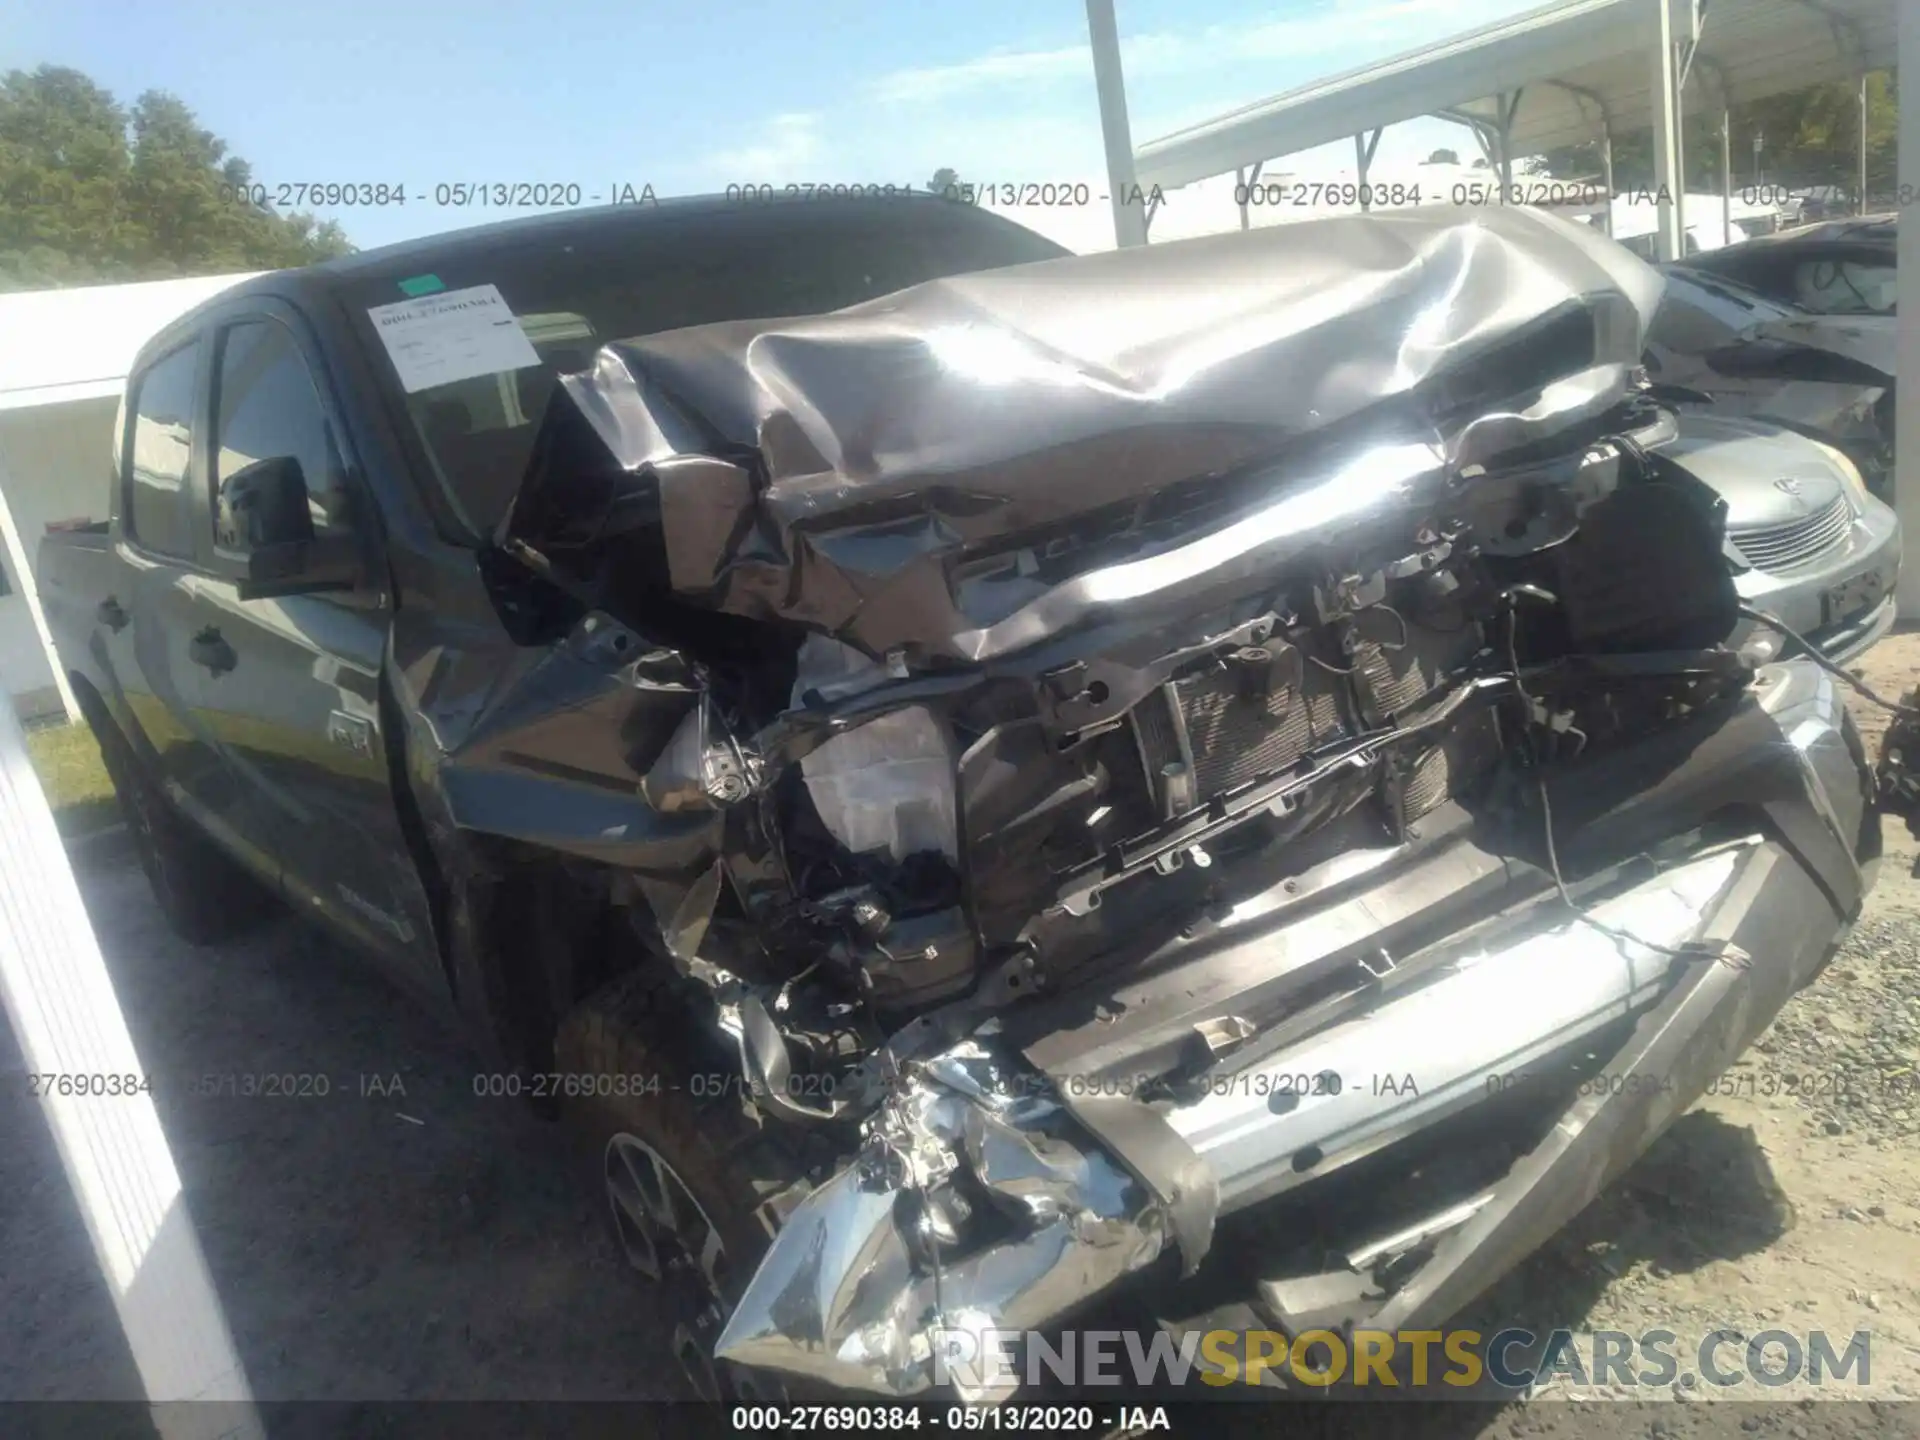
302, 727
149, 617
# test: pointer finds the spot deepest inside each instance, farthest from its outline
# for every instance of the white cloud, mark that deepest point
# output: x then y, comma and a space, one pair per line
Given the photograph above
1018, 67
1325, 31
793, 140
1030, 114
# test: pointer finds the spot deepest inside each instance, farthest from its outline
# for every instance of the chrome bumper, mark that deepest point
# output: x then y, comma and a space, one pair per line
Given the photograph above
1478, 1022
885, 1270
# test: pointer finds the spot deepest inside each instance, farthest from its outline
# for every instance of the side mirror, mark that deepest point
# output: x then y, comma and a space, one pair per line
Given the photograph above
264, 504
264, 538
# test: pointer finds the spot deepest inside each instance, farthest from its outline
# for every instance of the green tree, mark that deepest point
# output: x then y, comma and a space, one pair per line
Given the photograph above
1443, 157
944, 179
93, 192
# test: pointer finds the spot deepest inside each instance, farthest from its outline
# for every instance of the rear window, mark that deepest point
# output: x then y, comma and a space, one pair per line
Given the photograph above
573, 291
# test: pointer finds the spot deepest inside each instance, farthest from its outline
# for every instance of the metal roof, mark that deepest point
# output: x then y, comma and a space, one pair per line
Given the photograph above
79, 343
1575, 61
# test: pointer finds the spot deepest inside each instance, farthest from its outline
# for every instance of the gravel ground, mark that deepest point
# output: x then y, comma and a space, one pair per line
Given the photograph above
1787, 1201
1853, 1044
434, 1244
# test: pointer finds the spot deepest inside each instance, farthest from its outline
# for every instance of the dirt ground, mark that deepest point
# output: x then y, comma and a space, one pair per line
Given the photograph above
426, 1243
1788, 1201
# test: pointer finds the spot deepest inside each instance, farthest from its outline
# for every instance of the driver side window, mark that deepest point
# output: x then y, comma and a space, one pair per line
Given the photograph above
267, 407
157, 459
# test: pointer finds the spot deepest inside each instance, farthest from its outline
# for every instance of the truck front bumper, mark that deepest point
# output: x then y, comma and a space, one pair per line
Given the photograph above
1007, 1184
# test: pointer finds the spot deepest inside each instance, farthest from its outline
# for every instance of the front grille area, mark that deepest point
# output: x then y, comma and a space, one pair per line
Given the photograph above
1236, 731
1237, 738
1783, 546
1236, 735
1471, 748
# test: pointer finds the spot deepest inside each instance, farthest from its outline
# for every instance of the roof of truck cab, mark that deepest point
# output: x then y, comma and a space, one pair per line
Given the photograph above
421, 255
596, 221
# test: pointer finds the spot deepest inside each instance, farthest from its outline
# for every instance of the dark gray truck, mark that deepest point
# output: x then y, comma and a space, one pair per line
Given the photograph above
963, 773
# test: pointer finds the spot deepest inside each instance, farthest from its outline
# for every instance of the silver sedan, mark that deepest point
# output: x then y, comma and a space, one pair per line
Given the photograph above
1809, 544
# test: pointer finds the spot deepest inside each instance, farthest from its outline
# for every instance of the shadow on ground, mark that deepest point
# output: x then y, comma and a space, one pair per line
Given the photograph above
400, 1237
376, 1230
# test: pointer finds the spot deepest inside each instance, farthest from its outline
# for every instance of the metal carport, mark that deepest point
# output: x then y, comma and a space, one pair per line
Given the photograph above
63, 365
1562, 74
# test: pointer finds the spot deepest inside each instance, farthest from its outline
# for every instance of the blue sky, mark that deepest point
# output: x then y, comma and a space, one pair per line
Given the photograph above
698, 94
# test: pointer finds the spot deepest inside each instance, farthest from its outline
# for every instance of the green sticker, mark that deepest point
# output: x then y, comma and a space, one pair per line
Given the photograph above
422, 285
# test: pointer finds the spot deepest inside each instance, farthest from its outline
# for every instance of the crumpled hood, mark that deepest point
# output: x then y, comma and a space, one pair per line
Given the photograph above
831, 470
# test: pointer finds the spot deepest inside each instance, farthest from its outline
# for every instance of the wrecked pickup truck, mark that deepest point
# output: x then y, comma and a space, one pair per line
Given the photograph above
985, 787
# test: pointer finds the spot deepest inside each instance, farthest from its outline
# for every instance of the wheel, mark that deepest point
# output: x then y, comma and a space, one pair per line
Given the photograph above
204, 895
684, 1178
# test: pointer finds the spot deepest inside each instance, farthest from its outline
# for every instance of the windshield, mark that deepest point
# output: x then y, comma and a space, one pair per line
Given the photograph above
574, 289
1741, 306
1701, 312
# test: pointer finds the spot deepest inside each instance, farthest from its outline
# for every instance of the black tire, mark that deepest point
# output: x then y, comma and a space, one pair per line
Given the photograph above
642, 1029
204, 895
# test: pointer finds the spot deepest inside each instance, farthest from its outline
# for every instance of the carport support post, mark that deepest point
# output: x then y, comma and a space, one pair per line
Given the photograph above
1666, 151
1606, 176
1726, 176
1129, 217
1364, 144
1508, 106
1906, 485
13, 544
1860, 199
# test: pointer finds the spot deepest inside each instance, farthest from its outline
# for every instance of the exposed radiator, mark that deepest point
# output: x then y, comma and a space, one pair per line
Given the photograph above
1239, 724
1449, 769
1397, 667
1253, 716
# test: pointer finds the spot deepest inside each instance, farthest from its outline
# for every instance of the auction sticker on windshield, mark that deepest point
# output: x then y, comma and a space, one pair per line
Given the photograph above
438, 339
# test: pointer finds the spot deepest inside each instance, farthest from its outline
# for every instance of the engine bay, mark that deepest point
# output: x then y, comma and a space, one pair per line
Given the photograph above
1049, 730
889, 839
956, 647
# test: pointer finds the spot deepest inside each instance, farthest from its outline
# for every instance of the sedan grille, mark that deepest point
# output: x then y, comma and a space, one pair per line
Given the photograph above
1781, 547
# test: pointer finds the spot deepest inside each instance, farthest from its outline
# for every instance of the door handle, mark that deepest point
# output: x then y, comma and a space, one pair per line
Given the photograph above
209, 650
109, 614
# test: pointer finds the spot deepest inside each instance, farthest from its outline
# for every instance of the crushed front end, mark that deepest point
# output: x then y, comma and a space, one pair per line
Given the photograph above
1085, 726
